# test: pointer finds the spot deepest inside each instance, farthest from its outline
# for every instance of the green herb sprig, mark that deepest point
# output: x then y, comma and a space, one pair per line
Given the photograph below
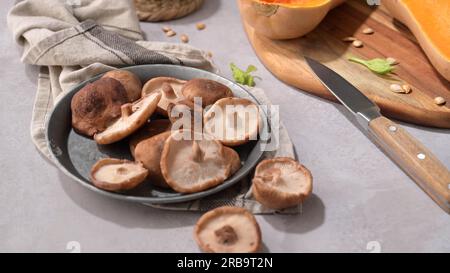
244, 77
378, 65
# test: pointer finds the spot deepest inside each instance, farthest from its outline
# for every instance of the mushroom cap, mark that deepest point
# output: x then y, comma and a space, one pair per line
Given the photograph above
96, 105
159, 85
193, 165
130, 82
186, 112
148, 152
233, 157
210, 91
134, 116
228, 230
281, 183
150, 129
117, 175
233, 121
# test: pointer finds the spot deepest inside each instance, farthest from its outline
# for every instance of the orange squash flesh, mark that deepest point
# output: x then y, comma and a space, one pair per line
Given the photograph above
429, 21
296, 3
433, 17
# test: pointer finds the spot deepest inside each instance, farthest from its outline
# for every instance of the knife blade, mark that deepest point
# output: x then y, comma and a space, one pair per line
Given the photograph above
406, 151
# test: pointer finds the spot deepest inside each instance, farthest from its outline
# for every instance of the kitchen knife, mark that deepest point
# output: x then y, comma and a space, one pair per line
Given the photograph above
412, 156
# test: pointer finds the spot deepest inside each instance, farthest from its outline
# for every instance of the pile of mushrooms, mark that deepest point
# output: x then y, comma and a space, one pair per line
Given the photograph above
118, 107
182, 136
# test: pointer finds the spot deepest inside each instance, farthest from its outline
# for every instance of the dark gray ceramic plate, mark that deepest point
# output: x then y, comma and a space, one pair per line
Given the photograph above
74, 154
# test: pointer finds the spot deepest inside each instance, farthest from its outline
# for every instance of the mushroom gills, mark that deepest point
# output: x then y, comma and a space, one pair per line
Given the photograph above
193, 165
134, 116
228, 230
233, 121
170, 89
281, 183
117, 175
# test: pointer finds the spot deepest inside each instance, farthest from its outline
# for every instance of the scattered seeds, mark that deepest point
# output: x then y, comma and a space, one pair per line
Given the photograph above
358, 43
209, 54
397, 88
171, 33
368, 31
439, 100
392, 61
200, 26
407, 88
166, 29
184, 38
349, 39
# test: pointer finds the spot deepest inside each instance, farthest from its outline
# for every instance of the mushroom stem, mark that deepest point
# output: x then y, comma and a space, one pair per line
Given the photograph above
126, 109
273, 176
168, 91
197, 153
226, 235
121, 171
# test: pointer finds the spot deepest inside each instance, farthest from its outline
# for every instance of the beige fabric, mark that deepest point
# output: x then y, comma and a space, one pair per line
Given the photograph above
74, 40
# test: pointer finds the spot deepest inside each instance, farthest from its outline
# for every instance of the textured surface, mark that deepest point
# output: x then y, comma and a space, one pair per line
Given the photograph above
352, 205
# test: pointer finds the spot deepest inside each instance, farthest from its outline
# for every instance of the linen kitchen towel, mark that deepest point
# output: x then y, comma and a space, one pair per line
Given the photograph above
74, 40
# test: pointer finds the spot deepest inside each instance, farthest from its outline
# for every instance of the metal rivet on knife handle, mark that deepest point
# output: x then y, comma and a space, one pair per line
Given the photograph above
392, 128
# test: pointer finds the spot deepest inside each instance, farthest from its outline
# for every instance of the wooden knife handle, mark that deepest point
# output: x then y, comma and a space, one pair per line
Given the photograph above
416, 160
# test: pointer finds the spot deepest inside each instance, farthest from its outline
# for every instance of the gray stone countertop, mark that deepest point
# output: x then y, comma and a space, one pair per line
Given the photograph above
362, 201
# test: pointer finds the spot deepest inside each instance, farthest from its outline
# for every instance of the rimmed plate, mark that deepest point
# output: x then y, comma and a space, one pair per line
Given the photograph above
74, 154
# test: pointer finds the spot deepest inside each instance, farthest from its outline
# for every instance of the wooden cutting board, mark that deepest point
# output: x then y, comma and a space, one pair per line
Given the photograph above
391, 39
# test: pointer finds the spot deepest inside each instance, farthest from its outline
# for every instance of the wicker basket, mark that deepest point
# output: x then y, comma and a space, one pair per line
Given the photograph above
163, 10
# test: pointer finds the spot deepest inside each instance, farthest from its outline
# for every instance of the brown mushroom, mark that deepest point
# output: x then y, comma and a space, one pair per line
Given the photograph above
117, 175
233, 157
150, 129
208, 90
170, 88
130, 82
228, 230
281, 183
96, 105
185, 114
193, 162
134, 116
233, 121
148, 152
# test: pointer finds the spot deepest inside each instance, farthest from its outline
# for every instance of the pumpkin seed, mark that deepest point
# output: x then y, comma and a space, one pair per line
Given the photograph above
184, 38
407, 88
209, 54
368, 31
391, 61
439, 100
171, 33
397, 88
166, 29
349, 39
357, 43
200, 26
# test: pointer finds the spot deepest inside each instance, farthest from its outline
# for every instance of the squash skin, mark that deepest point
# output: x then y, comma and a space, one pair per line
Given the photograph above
401, 12
283, 22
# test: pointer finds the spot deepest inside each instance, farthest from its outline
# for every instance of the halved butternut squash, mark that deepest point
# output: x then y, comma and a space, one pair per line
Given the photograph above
285, 19
429, 21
